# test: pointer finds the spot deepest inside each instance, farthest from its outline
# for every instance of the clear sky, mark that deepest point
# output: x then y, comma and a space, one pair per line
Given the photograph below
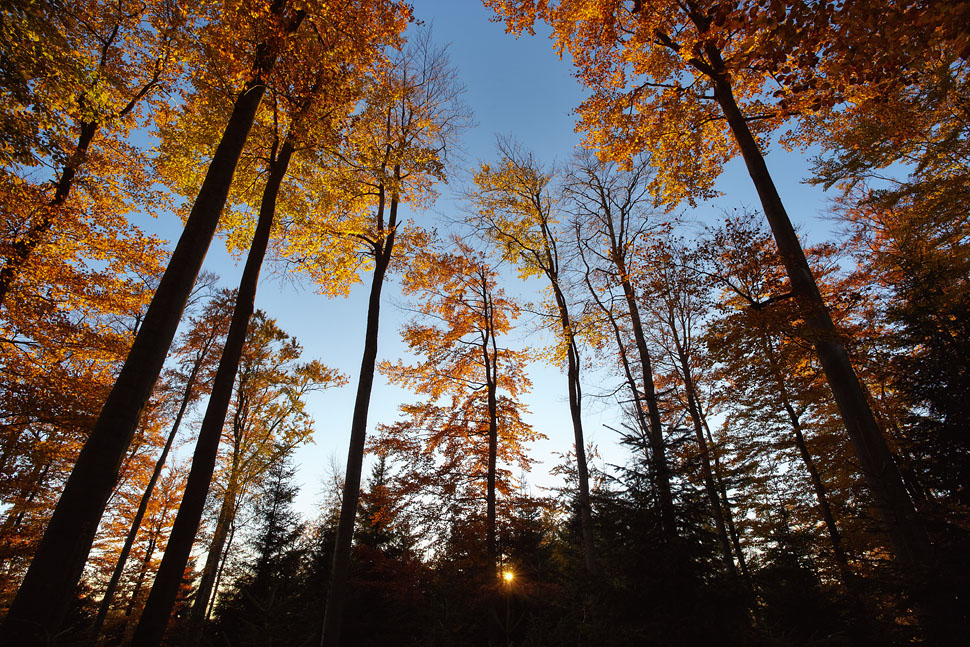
516, 87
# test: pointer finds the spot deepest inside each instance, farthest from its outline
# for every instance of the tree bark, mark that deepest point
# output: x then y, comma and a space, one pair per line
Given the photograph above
161, 599
337, 592
46, 592
708, 475
145, 499
907, 535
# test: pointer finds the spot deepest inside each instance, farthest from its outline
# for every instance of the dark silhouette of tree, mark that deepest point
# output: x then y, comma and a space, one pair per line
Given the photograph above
45, 594
519, 209
610, 215
263, 605
197, 353
396, 151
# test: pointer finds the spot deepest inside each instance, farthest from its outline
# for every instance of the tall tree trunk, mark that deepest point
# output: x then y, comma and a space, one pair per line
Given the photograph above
139, 582
490, 359
642, 423
575, 413
708, 475
616, 255
821, 494
203, 593
337, 591
490, 362
725, 502
142, 572
668, 521
45, 594
905, 529
161, 599
146, 498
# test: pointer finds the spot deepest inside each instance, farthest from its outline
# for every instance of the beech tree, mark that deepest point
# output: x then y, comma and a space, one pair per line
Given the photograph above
77, 78
268, 418
520, 211
757, 342
907, 231
678, 302
271, 26
610, 218
143, 554
196, 356
300, 82
690, 83
45, 593
57, 364
396, 150
472, 418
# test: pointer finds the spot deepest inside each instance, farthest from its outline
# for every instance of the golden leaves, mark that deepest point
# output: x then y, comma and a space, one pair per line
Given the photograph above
457, 293
652, 68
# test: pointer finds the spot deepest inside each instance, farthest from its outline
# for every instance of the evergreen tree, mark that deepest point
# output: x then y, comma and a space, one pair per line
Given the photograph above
263, 607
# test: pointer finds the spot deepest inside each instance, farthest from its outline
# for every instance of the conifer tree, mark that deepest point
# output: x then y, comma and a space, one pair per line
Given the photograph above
262, 605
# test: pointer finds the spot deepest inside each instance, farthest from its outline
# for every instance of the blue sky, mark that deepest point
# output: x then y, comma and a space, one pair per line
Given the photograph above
515, 87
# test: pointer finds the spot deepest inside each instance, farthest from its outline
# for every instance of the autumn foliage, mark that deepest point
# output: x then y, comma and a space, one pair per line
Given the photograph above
780, 412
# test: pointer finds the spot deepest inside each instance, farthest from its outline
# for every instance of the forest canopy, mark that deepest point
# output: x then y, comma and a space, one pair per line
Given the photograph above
598, 398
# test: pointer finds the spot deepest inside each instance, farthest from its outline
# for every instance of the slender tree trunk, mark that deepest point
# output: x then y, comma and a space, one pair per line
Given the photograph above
667, 516
821, 495
142, 572
490, 363
146, 498
213, 559
708, 475
905, 529
642, 422
668, 522
575, 413
46, 592
139, 582
725, 502
490, 359
219, 572
838, 550
337, 592
158, 607
624, 362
